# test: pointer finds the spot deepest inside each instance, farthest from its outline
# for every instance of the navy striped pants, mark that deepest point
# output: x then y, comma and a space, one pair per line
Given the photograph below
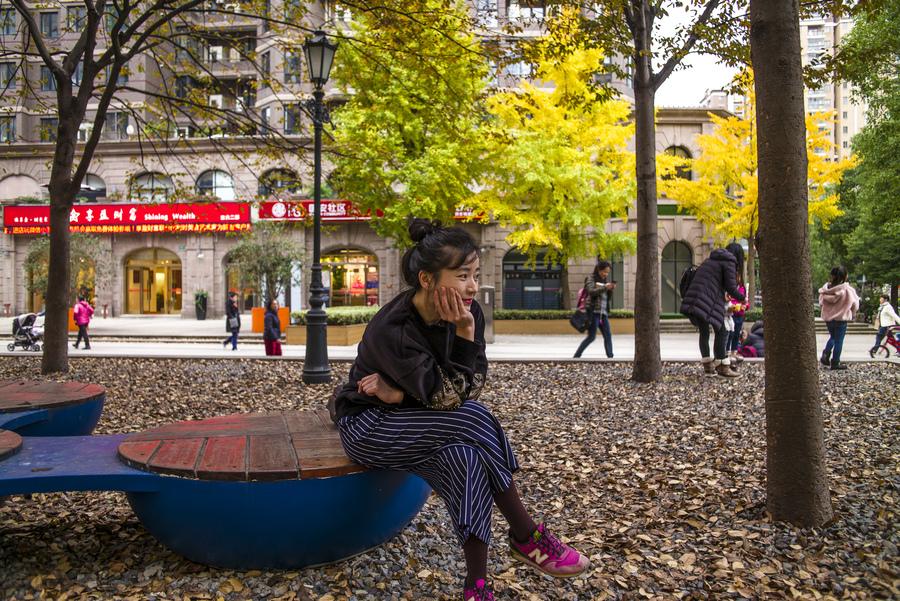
463, 454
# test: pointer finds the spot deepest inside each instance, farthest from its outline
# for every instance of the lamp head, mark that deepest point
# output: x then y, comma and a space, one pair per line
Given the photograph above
319, 52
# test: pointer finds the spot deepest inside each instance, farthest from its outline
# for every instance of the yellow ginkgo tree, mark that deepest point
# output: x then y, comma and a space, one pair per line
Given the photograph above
558, 167
723, 191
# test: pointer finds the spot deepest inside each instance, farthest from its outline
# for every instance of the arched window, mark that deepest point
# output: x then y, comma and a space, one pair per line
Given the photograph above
278, 182
19, 187
216, 183
676, 257
681, 152
93, 188
530, 286
152, 187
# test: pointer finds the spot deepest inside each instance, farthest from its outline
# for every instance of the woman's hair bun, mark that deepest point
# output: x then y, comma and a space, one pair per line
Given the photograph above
419, 228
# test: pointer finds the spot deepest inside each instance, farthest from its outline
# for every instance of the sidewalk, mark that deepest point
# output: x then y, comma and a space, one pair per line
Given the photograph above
135, 331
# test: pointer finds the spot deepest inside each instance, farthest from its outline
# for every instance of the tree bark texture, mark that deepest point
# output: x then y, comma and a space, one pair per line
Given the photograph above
750, 268
647, 363
797, 480
56, 303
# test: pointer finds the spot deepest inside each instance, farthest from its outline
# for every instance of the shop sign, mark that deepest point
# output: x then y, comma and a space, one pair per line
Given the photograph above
332, 210
132, 218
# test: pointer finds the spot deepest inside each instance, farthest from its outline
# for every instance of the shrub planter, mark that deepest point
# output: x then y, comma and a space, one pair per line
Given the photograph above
200, 307
337, 335
542, 327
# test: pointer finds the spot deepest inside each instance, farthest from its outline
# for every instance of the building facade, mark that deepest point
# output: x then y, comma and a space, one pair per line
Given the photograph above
155, 262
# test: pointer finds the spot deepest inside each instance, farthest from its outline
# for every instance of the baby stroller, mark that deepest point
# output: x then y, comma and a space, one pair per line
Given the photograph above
26, 332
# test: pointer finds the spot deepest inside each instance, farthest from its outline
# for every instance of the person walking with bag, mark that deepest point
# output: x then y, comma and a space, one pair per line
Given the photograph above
232, 320
885, 317
82, 313
704, 304
598, 290
839, 302
272, 330
410, 404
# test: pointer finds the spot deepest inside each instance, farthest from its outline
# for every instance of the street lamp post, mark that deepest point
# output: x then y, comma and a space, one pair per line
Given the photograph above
319, 52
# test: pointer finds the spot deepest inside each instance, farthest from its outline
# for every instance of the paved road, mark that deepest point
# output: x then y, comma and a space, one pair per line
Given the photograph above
135, 331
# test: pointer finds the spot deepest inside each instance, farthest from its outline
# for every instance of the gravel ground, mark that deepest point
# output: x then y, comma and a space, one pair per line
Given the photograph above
661, 485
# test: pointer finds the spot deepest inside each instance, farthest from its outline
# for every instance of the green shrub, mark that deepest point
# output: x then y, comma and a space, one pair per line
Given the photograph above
340, 316
753, 315
507, 314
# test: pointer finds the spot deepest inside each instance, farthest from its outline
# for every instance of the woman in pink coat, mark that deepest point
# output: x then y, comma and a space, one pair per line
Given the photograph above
83, 312
839, 302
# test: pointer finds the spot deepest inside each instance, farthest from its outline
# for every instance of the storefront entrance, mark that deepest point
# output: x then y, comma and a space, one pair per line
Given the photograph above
152, 282
350, 278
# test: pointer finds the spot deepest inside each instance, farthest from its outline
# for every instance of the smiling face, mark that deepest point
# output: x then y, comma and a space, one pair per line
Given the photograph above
464, 278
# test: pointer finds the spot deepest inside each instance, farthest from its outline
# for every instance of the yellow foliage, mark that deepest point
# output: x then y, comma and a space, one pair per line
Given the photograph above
723, 193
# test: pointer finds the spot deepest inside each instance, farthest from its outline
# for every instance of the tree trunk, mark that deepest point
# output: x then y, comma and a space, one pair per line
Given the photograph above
647, 365
751, 270
56, 303
797, 482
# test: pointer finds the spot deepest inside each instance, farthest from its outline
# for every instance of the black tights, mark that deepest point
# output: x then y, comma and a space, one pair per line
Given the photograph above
721, 335
520, 523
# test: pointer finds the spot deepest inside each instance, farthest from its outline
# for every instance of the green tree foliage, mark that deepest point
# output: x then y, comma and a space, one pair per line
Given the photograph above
407, 140
870, 59
266, 256
87, 262
558, 167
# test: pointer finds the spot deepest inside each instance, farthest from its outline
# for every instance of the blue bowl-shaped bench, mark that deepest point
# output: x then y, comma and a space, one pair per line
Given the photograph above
242, 491
42, 408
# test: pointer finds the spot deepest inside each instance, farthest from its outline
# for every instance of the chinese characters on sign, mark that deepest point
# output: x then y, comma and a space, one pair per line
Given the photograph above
132, 218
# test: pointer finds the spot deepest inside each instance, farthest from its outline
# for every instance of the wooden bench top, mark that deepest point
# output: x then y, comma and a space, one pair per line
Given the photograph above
10, 443
27, 395
259, 446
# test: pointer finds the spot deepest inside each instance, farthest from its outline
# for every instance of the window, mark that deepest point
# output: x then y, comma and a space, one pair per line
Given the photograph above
818, 103
845, 129
7, 21
76, 17
48, 128
265, 117
277, 182
339, 13
844, 114
518, 69
845, 144
292, 10
682, 171
267, 9
265, 64
48, 82
123, 75
216, 183
183, 86
293, 68
78, 74
152, 187
527, 286
676, 257
7, 129
84, 131
292, 115
50, 24
215, 53
115, 126
7, 75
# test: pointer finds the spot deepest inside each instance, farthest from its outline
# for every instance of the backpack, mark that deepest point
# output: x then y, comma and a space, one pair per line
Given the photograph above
687, 276
582, 300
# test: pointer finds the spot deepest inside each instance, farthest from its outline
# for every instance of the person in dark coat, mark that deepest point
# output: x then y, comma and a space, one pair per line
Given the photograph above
704, 304
755, 341
599, 292
232, 320
272, 330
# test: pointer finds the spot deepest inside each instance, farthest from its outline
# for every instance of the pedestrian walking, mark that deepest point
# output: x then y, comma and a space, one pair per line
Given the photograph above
272, 330
885, 317
83, 312
411, 404
598, 289
839, 302
704, 306
232, 320
737, 309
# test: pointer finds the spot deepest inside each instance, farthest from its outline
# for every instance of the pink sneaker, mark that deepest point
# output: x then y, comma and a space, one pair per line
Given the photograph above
546, 553
481, 592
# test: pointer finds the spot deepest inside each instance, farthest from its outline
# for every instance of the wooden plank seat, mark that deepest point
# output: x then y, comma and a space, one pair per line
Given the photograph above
10, 444
262, 491
251, 447
43, 408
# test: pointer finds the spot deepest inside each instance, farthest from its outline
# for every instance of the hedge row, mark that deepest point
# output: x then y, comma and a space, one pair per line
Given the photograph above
340, 316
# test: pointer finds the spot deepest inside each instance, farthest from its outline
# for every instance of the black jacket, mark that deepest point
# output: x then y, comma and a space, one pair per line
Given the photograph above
705, 298
231, 310
272, 328
755, 339
431, 365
